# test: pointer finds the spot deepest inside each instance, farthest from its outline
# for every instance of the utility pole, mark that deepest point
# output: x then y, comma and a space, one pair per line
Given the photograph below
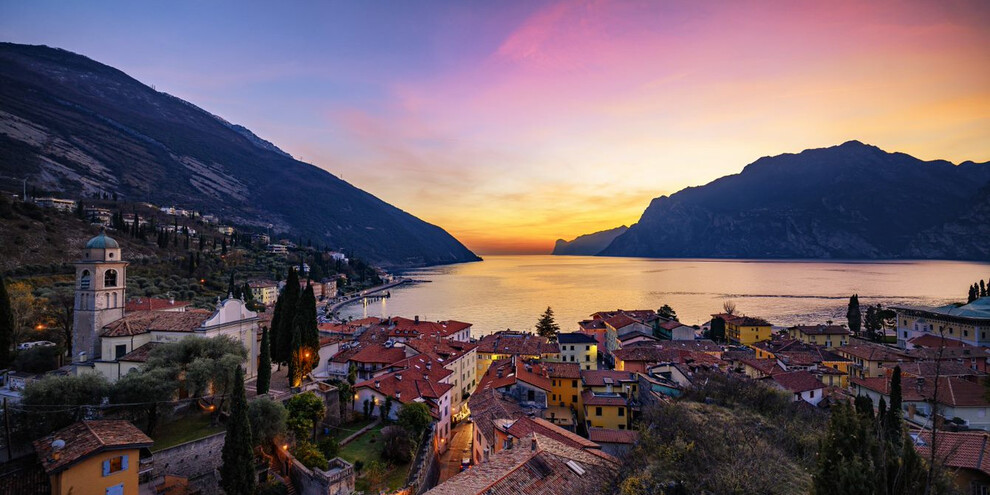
6, 427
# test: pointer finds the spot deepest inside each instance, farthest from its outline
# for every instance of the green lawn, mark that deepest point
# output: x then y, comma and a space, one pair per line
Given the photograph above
347, 429
366, 449
184, 429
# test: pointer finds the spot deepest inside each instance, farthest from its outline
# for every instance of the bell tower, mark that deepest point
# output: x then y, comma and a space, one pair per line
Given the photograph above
101, 277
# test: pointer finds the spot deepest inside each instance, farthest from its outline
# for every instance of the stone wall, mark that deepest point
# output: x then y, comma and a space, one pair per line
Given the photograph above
425, 470
197, 460
338, 479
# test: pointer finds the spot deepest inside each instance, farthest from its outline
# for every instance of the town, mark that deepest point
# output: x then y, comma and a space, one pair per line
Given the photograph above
264, 393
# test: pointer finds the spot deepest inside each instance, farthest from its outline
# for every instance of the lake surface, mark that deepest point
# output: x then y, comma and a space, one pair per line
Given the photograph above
512, 291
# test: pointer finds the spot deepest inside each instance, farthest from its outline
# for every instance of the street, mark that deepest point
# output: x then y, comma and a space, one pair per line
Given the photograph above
460, 448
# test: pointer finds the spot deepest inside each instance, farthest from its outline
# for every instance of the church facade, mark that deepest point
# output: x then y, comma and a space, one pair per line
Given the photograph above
112, 342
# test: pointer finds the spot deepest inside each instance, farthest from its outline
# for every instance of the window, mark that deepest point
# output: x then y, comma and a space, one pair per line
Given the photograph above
587, 347
120, 351
622, 411
622, 427
531, 395
84, 280
598, 411
114, 464
116, 489
110, 278
573, 398
574, 383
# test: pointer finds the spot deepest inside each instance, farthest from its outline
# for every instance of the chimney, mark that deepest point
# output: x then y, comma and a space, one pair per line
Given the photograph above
398, 394
417, 319
429, 365
532, 445
398, 377
378, 384
500, 372
920, 383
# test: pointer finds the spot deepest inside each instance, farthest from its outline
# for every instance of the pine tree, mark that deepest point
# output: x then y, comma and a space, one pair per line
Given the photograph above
6, 325
546, 326
854, 315
983, 288
237, 471
265, 364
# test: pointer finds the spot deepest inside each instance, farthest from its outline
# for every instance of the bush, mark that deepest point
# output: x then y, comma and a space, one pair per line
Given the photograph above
330, 447
397, 445
37, 359
309, 455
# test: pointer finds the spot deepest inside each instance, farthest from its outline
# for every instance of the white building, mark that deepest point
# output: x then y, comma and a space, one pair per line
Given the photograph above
108, 341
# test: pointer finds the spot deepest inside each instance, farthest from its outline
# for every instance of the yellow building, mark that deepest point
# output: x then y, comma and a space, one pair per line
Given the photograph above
870, 360
100, 457
823, 335
504, 345
744, 329
565, 388
578, 348
605, 410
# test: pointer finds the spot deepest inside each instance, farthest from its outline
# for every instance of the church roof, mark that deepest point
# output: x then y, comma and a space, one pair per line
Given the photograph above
140, 322
102, 242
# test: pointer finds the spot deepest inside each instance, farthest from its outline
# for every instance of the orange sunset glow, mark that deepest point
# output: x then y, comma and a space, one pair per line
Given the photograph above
514, 125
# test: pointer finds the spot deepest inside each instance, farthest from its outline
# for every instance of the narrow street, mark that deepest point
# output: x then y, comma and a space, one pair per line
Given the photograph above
460, 448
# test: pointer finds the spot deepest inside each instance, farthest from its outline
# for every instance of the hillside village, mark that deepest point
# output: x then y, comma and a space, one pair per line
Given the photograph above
404, 405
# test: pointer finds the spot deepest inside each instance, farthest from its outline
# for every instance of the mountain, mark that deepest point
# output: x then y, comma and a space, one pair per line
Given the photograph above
588, 244
852, 201
76, 128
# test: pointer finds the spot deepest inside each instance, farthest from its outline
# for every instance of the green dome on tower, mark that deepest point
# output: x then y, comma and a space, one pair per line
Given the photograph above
102, 242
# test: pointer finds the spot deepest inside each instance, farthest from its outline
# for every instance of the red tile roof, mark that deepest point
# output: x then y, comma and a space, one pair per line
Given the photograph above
600, 378
525, 426
765, 366
378, 354
821, 329
516, 343
153, 304
962, 449
86, 438
141, 322
487, 405
140, 355
592, 324
952, 391
868, 351
590, 398
608, 435
797, 381
742, 320
563, 370
934, 342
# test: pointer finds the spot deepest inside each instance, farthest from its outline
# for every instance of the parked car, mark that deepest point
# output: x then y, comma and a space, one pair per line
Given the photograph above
37, 343
465, 463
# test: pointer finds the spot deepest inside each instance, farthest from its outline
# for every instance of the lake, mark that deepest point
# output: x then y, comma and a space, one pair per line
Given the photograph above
512, 291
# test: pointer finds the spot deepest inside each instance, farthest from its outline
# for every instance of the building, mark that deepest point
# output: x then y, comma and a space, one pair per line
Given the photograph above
94, 457
960, 399
525, 382
870, 360
674, 330
155, 304
823, 335
264, 291
594, 328
564, 405
420, 378
968, 323
638, 358
57, 203
99, 215
615, 442
536, 464
605, 410
508, 344
460, 358
578, 348
801, 384
103, 333
744, 330
487, 407
965, 454
225, 230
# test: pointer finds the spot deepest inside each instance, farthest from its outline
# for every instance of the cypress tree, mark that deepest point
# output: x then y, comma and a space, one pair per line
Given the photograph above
276, 334
854, 315
265, 366
290, 294
893, 420
983, 289
237, 471
231, 286
6, 325
305, 345
296, 372
973, 292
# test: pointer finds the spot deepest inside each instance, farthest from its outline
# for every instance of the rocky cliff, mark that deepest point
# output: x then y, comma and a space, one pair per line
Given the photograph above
852, 201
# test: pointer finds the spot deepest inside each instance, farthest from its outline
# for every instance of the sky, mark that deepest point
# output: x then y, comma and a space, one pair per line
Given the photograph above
512, 124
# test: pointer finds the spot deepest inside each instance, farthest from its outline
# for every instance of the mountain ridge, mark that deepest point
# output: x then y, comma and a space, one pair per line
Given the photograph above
587, 244
79, 127
850, 201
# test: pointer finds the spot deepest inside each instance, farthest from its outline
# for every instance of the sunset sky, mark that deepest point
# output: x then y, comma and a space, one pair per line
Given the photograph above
512, 124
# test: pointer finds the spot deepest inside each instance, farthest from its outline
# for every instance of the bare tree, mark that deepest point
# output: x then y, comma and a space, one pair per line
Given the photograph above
729, 307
